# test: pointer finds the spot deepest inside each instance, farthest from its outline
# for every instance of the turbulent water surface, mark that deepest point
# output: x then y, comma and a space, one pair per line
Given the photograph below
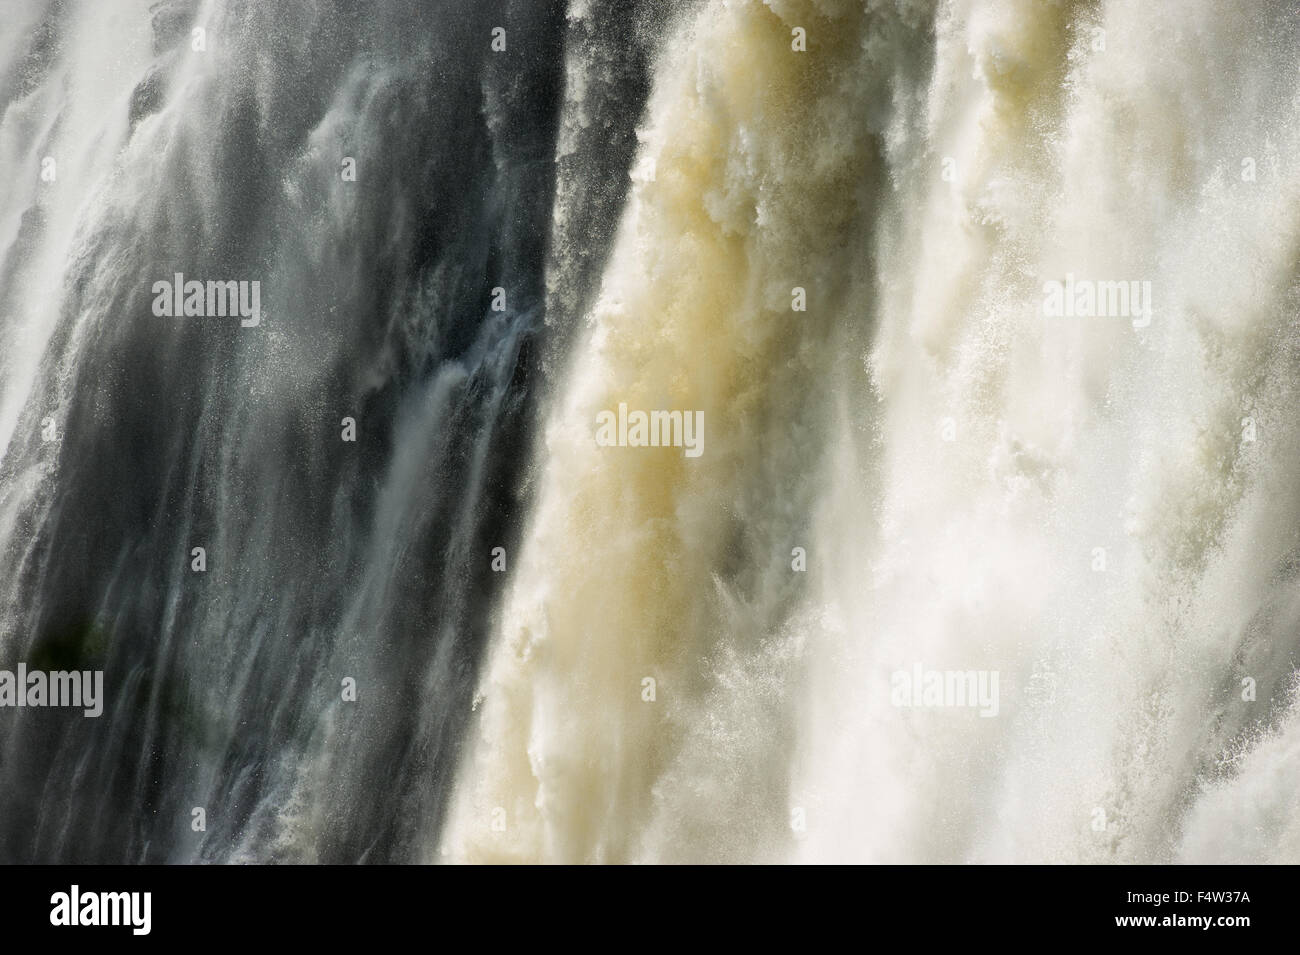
875, 248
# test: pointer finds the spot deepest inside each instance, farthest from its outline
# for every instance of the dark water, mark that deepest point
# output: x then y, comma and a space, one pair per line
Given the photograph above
325, 559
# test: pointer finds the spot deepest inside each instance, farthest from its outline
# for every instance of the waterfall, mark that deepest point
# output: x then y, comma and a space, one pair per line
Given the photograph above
704, 431
390, 183
1083, 508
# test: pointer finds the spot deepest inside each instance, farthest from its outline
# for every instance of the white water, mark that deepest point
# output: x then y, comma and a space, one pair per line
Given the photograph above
1121, 690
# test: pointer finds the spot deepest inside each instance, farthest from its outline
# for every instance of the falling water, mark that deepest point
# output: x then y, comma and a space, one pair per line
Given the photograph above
1095, 509
326, 560
831, 230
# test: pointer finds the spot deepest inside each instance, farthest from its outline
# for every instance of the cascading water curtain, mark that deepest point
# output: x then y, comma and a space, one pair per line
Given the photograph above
745, 431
